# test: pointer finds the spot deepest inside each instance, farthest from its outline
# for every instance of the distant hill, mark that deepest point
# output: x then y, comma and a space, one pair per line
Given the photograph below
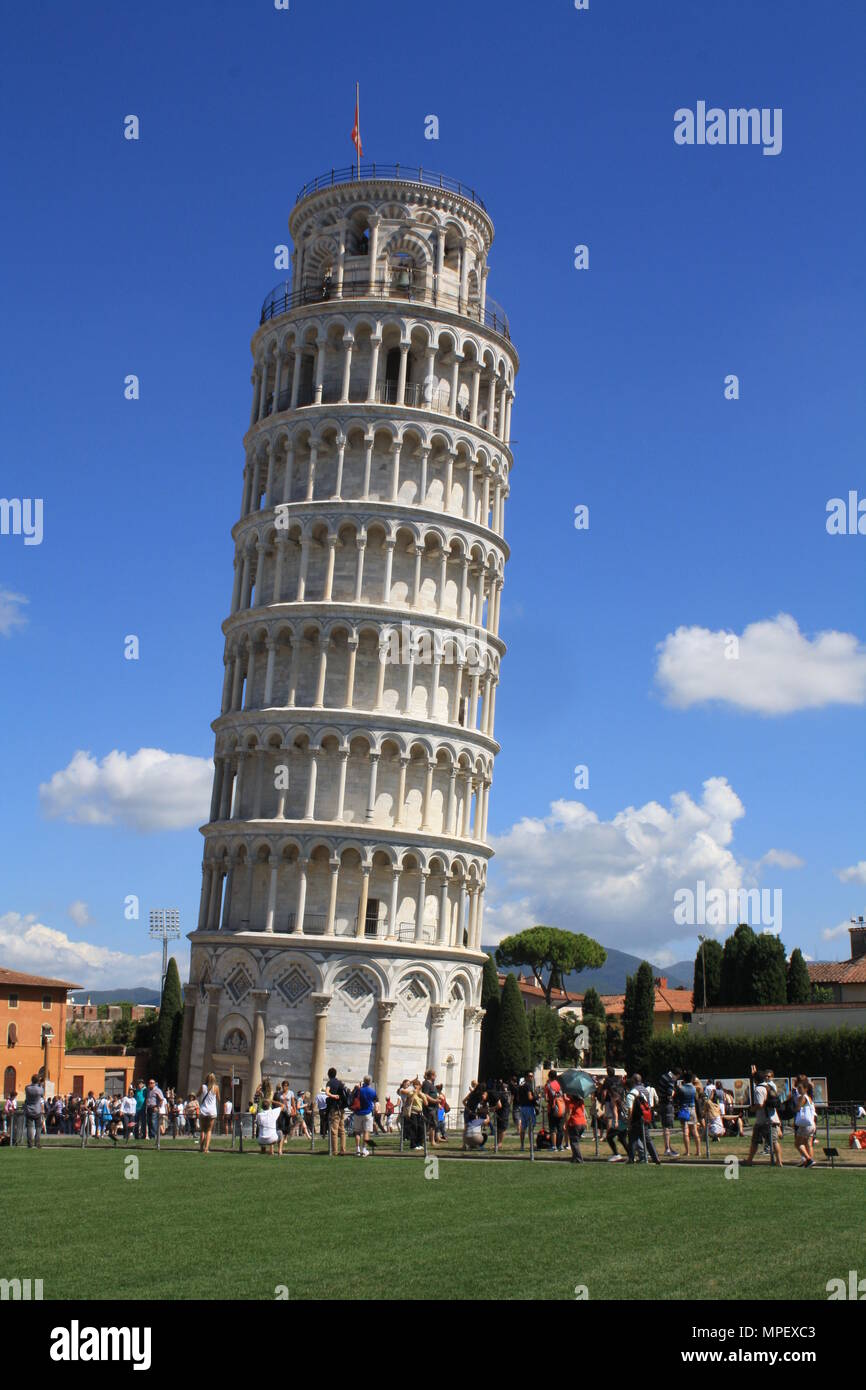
610, 979
116, 996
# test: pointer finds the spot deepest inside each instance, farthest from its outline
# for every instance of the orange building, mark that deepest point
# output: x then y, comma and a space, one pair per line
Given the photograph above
32, 1029
672, 1009
33, 1018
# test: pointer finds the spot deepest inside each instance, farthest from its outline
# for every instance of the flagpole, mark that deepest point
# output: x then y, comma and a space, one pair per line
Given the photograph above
358, 123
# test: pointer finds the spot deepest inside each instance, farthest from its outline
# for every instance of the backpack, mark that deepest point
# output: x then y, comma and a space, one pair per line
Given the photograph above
789, 1108
771, 1102
356, 1099
646, 1113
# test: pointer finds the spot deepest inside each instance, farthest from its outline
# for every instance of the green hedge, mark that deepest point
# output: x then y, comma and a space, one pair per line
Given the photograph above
839, 1055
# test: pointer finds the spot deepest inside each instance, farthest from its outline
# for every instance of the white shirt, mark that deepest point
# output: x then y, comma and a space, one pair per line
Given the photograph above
127, 1105
208, 1102
266, 1125
227, 1108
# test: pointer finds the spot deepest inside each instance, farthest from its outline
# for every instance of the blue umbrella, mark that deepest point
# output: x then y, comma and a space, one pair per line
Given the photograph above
577, 1083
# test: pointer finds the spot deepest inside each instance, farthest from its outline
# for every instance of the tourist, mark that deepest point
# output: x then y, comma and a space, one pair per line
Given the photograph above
667, 1089
430, 1094
322, 1108
362, 1117
713, 1116
140, 1116
154, 1101
10, 1105
389, 1114
413, 1111
190, 1113
34, 1106
526, 1106
615, 1119
500, 1099
575, 1125
639, 1116
805, 1121
127, 1113
768, 1125
208, 1103
442, 1111
378, 1125
266, 1128
228, 1108
304, 1110
88, 1123
686, 1103
555, 1111
338, 1103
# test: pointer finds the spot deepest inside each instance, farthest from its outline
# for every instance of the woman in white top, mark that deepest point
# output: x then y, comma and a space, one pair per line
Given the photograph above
208, 1103
805, 1121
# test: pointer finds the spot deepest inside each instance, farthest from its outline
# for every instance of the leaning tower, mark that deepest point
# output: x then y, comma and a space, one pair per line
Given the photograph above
345, 858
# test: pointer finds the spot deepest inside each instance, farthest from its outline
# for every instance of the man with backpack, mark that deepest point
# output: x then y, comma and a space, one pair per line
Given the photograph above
338, 1101
666, 1091
767, 1128
555, 1111
639, 1112
363, 1100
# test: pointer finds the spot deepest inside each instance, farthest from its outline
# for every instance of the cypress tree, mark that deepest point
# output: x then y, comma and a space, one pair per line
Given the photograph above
488, 1055
513, 1031
628, 1018
711, 952
735, 983
637, 1042
166, 1047
799, 986
767, 971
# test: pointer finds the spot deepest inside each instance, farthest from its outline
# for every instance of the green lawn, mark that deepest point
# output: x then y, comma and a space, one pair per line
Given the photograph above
238, 1226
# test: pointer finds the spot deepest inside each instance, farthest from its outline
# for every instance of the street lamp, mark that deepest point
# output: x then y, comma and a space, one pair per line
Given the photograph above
164, 924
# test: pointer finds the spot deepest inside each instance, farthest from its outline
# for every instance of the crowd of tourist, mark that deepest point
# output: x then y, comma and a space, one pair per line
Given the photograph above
622, 1111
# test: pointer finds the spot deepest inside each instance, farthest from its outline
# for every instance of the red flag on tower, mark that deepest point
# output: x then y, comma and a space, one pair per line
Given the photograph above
356, 128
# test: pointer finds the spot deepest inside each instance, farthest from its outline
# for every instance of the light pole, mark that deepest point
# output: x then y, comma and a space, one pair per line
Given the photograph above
164, 924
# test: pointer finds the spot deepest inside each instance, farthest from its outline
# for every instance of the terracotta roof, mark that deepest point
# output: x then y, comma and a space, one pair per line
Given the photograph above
14, 977
528, 986
667, 1001
838, 972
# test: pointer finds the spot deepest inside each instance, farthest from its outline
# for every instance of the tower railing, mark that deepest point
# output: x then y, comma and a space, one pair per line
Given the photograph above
283, 298
405, 173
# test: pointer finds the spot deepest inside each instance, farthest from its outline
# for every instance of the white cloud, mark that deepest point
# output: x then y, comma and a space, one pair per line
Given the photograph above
830, 933
781, 859
79, 913
28, 945
147, 790
11, 612
855, 874
778, 669
615, 879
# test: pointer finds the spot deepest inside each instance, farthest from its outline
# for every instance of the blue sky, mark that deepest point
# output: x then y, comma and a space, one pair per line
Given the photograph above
707, 515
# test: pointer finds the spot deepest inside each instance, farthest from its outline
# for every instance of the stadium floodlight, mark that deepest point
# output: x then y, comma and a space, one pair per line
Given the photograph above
164, 924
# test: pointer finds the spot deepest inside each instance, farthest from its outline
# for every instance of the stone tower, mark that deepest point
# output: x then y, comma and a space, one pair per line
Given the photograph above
345, 858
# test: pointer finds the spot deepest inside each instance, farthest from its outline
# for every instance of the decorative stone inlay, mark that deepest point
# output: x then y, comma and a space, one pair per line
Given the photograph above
294, 986
239, 984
